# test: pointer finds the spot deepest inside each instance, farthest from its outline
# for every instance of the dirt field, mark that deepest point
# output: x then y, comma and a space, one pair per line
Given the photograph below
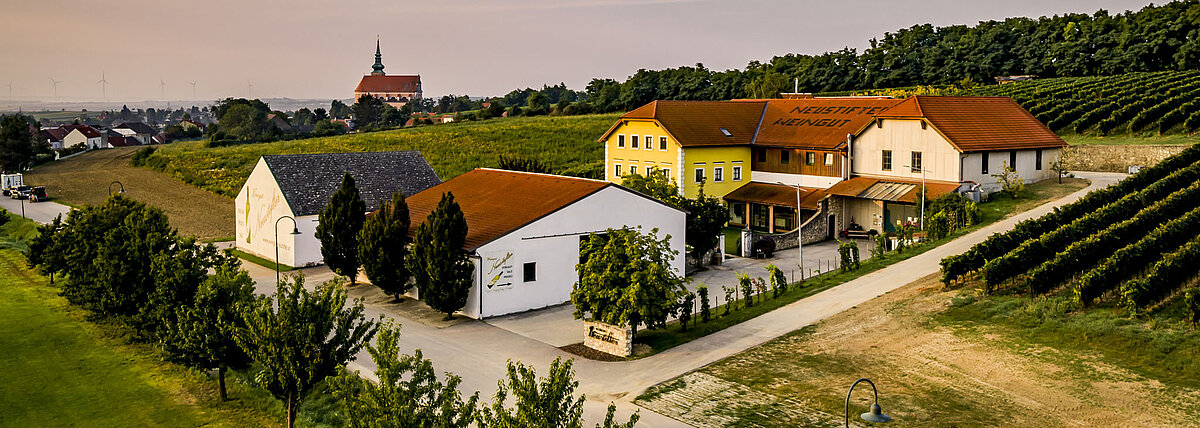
928, 374
85, 179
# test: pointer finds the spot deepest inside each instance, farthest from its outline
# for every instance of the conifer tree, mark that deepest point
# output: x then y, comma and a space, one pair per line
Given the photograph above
383, 247
300, 337
438, 262
201, 334
338, 227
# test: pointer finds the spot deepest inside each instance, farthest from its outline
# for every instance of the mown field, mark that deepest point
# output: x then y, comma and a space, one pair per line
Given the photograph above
566, 144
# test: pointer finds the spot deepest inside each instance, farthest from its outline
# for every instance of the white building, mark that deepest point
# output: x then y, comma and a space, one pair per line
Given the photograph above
300, 186
525, 229
83, 134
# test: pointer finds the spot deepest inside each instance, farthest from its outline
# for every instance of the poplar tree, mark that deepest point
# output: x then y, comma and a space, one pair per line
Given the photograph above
407, 393
383, 247
300, 338
338, 226
438, 261
201, 335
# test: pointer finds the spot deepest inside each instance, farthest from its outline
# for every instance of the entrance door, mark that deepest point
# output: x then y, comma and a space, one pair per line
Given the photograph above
832, 227
887, 219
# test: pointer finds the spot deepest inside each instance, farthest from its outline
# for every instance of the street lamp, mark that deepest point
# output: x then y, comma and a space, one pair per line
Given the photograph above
799, 233
876, 415
295, 231
923, 171
117, 183
21, 169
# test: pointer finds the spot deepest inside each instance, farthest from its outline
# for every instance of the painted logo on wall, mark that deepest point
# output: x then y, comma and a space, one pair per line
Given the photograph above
498, 270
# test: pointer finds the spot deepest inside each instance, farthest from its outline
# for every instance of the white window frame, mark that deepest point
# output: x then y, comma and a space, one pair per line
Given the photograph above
698, 174
662, 143
649, 142
633, 169
829, 159
736, 172
718, 174
633, 141
621, 141
617, 169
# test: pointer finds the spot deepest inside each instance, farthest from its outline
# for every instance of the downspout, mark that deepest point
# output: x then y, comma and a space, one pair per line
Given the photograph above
479, 280
849, 155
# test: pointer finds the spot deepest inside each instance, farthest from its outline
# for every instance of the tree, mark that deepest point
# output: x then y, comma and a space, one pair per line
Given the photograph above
319, 115
16, 143
626, 278
368, 111
539, 104
1010, 182
243, 122
407, 393
299, 337
303, 116
767, 85
705, 219
438, 261
338, 226
1060, 164
520, 163
655, 184
201, 334
339, 110
548, 402
383, 247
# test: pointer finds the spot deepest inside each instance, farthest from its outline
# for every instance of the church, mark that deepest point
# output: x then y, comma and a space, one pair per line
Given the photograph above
395, 90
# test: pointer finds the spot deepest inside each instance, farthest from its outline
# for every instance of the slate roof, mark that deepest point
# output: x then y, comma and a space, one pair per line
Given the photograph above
138, 127
309, 180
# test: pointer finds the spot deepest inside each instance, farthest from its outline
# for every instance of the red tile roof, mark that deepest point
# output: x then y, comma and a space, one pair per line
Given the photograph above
979, 123
389, 84
54, 134
817, 123
700, 123
777, 194
87, 131
496, 202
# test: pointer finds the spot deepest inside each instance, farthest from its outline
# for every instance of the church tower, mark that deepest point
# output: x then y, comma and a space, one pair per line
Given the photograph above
377, 69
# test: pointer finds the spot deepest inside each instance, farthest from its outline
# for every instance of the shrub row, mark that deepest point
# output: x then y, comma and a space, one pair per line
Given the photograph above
956, 266
1035, 251
1136, 257
1083, 254
1164, 277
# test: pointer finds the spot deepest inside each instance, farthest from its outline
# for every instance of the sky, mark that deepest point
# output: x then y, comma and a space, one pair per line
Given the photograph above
311, 49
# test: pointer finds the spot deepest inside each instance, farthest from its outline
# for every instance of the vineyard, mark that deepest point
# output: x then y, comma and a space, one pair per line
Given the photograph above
1133, 244
1158, 103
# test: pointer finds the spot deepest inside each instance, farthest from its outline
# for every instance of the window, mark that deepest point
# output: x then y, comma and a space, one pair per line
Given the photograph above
829, 159
649, 142
916, 161
887, 160
1012, 159
633, 169
737, 173
621, 140
726, 132
718, 174
667, 173
617, 170
784, 155
737, 213
810, 158
1037, 159
762, 155
662, 143
700, 175
984, 167
530, 269
633, 141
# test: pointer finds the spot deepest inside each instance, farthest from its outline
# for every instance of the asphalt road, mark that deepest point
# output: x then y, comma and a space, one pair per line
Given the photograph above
478, 351
41, 212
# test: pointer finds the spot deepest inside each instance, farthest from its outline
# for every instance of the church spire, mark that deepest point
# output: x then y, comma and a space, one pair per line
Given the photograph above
377, 69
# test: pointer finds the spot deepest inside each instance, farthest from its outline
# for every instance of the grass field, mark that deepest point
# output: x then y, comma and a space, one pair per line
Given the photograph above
85, 179
566, 144
62, 370
940, 358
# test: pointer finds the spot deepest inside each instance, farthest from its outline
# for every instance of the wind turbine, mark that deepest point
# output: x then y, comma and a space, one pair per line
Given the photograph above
103, 86
193, 83
162, 88
249, 90
55, 84
10, 90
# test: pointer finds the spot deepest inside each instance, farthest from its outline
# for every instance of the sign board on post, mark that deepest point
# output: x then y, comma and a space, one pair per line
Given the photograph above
608, 338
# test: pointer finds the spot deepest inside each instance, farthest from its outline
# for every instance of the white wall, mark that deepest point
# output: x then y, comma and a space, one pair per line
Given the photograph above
802, 180
553, 244
972, 166
902, 137
257, 207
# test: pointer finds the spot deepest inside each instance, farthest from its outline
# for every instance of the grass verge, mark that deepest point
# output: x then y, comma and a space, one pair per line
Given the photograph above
259, 260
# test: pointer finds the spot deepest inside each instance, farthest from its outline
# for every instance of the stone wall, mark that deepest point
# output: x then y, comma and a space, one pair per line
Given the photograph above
608, 338
815, 229
1118, 158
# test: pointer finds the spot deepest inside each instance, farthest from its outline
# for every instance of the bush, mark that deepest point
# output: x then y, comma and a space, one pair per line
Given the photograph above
779, 282
939, 226
848, 251
747, 289
140, 156
705, 313
880, 246
1191, 301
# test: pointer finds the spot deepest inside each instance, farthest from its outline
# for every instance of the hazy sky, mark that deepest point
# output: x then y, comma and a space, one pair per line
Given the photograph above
319, 49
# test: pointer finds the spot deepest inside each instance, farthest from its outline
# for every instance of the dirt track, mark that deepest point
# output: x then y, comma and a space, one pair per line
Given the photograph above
928, 375
85, 179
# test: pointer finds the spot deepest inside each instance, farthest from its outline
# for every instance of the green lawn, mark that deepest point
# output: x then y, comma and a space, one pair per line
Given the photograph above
1118, 140
567, 144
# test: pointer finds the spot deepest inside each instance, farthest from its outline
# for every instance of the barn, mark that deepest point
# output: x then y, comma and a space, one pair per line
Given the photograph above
524, 232
300, 186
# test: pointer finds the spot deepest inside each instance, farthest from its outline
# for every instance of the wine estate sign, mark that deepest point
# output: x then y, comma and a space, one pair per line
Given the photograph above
608, 338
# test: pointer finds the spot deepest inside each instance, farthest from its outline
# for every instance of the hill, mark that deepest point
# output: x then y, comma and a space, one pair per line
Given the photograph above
566, 144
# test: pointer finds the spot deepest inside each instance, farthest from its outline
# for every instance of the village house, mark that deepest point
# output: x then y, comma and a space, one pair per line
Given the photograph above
89, 137
525, 230
53, 136
300, 186
142, 132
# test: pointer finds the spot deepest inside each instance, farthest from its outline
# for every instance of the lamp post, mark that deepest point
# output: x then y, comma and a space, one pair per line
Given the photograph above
876, 415
923, 171
799, 233
295, 231
21, 169
122, 191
